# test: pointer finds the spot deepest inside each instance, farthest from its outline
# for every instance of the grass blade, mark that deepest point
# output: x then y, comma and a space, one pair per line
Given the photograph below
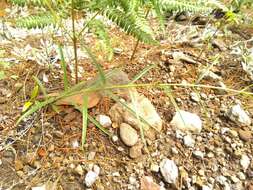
97, 124
168, 92
96, 64
142, 73
85, 119
34, 108
64, 68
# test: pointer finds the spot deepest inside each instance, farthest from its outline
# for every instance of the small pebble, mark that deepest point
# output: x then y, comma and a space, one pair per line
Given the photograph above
189, 141
154, 167
115, 138
128, 134
245, 162
79, 170
135, 151
245, 135
90, 178
169, 170
91, 155
104, 120
198, 154
241, 176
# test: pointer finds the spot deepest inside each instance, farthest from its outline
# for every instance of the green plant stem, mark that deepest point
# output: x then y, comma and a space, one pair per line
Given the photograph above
74, 39
137, 43
87, 23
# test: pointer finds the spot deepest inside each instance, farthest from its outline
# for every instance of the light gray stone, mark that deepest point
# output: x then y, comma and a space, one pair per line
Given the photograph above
187, 121
169, 170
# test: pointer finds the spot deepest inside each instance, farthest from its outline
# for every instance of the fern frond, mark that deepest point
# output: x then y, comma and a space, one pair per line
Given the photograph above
38, 3
133, 24
183, 5
36, 21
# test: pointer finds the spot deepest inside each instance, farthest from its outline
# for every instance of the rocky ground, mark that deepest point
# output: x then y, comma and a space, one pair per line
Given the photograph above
199, 137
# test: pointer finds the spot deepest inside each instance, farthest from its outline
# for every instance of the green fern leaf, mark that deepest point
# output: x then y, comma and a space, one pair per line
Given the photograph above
183, 5
133, 24
36, 21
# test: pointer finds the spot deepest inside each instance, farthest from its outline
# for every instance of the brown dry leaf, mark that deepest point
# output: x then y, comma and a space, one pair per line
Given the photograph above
42, 152
2, 13
77, 99
147, 183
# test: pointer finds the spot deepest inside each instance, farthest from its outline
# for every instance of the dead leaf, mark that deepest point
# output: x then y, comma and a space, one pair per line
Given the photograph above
2, 13
77, 99
147, 183
42, 152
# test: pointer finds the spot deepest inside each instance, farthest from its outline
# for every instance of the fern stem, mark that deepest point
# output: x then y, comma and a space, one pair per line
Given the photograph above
137, 43
74, 40
134, 51
87, 23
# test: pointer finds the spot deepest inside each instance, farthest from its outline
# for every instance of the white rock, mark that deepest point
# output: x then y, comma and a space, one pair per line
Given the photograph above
79, 170
183, 57
154, 167
75, 144
198, 154
96, 169
90, 178
145, 109
207, 74
239, 116
104, 120
189, 141
207, 187
245, 162
227, 186
187, 121
43, 187
241, 175
169, 170
194, 97
128, 134
221, 180
234, 179
223, 130
116, 174
174, 150
115, 138
179, 134
132, 180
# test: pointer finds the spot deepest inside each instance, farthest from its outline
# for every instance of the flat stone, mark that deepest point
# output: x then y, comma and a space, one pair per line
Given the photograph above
238, 115
169, 170
147, 183
189, 141
104, 120
245, 135
245, 162
135, 151
198, 154
187, 121
128, 134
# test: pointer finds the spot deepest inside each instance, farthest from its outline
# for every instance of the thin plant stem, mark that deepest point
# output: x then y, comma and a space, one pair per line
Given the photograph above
137, 43
74, 40
87, 23
134, 51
